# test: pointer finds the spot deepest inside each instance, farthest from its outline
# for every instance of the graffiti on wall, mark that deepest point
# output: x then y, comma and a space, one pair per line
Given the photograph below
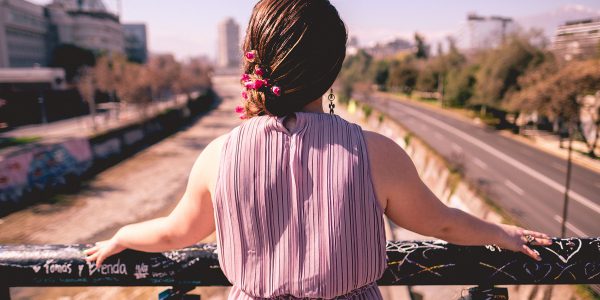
42, 167
107, 148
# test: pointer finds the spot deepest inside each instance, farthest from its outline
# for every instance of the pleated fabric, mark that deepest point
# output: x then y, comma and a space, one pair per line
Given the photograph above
296, 213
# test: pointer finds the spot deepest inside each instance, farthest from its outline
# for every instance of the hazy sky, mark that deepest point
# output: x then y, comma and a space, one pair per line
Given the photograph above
189, 27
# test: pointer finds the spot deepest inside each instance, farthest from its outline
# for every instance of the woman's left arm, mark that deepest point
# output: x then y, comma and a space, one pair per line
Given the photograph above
191, 221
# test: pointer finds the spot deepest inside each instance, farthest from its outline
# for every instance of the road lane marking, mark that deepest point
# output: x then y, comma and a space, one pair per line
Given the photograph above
514, 187
479, 163
515, 163
571, 227
456, 147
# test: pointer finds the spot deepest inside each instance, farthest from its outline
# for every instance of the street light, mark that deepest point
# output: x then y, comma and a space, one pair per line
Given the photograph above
567, 183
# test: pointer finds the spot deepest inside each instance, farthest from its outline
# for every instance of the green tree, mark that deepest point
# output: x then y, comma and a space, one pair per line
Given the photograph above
501, 68
354, 69
403, 75
422, 50
460, 85
380, 71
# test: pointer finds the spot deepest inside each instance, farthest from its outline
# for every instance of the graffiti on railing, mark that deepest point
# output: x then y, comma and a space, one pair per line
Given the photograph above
567, 260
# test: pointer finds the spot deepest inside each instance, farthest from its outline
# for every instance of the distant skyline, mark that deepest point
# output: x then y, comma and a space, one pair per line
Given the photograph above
189, 28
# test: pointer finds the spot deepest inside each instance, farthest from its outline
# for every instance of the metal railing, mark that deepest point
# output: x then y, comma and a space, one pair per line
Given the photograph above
567, 261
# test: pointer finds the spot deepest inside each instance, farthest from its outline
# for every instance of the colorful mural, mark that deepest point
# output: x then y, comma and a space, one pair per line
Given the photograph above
42, 167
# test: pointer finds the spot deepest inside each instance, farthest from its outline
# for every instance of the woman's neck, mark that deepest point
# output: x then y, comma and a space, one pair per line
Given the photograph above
315, 106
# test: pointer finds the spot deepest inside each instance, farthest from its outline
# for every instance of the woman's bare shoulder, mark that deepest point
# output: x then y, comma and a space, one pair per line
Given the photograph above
382, 148
206, 167
389, 164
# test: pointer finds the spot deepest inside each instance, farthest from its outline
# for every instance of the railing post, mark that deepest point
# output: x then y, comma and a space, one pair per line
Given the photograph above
487, 293
4, 292
178, 293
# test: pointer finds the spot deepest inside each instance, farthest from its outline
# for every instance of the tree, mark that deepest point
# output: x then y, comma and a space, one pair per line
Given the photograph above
434, 72
403, 75
429, 76
164, 71
86, 86
460, 85
380, 71
501, 68
559, 93
136, 87
194, 76
422, 50
353, 70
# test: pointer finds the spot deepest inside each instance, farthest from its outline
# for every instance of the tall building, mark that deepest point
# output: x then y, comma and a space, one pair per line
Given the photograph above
23, 29
577, 39
229, 52
136, 42
87, 24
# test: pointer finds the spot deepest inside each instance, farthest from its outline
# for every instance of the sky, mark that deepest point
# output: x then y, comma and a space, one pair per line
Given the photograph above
189, 27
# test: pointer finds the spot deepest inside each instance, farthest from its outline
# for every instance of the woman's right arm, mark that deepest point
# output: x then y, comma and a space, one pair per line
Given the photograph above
410, 204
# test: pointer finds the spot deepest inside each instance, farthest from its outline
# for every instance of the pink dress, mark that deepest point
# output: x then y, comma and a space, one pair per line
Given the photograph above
296, 212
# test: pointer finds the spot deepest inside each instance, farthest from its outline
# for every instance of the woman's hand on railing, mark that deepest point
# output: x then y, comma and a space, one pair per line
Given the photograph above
519, 240
103, 250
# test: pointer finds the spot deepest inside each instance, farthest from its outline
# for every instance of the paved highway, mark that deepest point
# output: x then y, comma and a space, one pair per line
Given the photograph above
526, 182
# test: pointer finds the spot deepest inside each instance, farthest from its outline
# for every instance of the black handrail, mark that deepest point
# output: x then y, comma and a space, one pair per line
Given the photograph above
566, 261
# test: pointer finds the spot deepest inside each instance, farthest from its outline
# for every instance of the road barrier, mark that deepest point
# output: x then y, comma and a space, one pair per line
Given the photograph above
566, 261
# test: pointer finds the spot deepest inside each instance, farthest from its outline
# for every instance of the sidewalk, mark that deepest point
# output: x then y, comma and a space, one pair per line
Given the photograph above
543, 141
82, 126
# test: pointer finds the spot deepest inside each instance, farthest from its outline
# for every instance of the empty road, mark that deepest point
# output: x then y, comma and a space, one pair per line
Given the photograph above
526, 182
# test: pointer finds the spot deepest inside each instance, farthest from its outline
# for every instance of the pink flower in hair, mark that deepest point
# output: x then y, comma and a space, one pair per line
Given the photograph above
258, 84
245, 95
250, 55
276, 90
259, 71
243, 117
245, 77
239, 109
250, 85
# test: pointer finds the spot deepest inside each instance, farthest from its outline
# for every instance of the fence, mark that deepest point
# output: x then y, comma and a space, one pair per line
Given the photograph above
567, 261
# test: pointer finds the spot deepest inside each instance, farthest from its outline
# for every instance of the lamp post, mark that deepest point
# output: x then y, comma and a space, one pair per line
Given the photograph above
567, 183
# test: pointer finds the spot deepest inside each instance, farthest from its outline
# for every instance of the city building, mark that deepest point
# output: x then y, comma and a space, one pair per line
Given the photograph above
32, 79
87, 24
23, 33
229, 50
136, 42
577, 39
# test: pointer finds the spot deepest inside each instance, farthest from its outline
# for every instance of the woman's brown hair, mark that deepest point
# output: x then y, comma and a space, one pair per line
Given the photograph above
301, 45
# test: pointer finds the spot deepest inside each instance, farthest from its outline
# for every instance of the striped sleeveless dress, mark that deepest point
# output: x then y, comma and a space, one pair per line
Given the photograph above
296, 213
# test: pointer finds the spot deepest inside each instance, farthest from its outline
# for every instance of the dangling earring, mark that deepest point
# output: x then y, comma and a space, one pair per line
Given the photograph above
331, 97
